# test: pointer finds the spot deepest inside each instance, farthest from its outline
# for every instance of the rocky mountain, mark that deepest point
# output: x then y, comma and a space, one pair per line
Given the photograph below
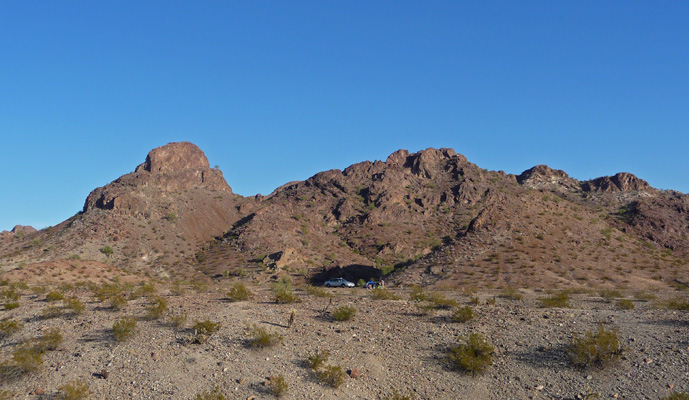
430, 217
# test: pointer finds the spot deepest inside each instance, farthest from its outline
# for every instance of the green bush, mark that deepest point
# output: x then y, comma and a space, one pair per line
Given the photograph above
172, 217
318, 291
677, 396
50, 340
417, 294
344, 313
439, 301
610, 294
118, 302
9, 327
74, 305
595, 348
27, 359
278, 386
559, 300
283, 293
107, 250
157, 309
54, 296
124, 328
206, 327
260, 338
511, 293
214, 394
462, 314
75, 390
239, 292
178, 320
318, 359
626, 304
678, 303
398, 396
11, 305
10, 294
52, 312
473, 356
383, 294
332, 375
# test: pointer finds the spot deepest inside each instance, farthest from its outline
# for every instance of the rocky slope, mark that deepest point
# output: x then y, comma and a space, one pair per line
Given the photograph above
429, 217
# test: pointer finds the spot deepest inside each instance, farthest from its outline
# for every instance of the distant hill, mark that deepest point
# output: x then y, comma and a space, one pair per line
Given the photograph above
429, 218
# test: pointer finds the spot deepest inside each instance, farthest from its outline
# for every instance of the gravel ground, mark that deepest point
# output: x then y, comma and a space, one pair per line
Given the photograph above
391, 344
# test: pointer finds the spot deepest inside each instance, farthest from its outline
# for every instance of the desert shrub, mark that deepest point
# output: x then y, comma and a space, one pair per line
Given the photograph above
678, 303
511, 293
27, 359
239, 292
560, 300
417, 294
146, 289
676, 396
398, 396
157, 309
74, 305
50, 340
118, 302
361, 283
595, 348
124, 328
75, 390
214, 394
107, 291
625, 304
260, 338
383, 294
332, 375
318, 359
172, 217
278, 385
439, 301
205, 327
644, 296
51, 312
283, 293
473, 356
318, 291
344, 313
610, 294
10, 294
178, 320
462, 314
9, 327
11, 305
107, 250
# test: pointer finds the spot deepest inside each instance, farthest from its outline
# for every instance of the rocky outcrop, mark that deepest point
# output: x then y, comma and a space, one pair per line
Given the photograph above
621, 182
173, 168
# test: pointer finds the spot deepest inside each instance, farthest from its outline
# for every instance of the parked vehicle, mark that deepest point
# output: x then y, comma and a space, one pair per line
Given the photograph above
338, 282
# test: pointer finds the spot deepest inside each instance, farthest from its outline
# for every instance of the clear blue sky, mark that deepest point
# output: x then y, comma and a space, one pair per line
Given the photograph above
276, 91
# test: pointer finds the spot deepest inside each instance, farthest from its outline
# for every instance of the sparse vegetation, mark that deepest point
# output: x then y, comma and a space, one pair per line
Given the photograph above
239, 292
278, 385
511, 293
344, 313
462, 314
157, 309
332, 375
626, 304
260, 338
50, 340
678, 303
283, 292
124, 328
214, 394
676, 396
178, 320
75, 390
9, 327
54, 296
559, 300
610, 294
595, 348
383, 294
398, 396
317, 360
318, 291
107, 250
171, 217
203, 330
74, 305
473, 355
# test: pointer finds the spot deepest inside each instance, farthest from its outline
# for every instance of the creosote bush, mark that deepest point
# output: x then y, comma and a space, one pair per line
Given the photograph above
398, 396
214, 394
178, 320
318, 291
9, 327
344, 313
626, 304
75, 390
383, 294
595, 348
74, 305
559, 300
610, 294
318, 359
676, 396
11, 305
462, 314
157, 309
678, 303
260, 338
511, 293
332, 375
473, 356
239, 292
278, 385
54, 296
283, 293
124, 328
50, 340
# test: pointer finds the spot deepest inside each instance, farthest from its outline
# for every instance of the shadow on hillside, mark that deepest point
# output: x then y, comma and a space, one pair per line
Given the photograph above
352, 272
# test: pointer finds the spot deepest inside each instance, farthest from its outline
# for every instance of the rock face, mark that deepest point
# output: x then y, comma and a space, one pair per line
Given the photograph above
175, 167
621, 182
